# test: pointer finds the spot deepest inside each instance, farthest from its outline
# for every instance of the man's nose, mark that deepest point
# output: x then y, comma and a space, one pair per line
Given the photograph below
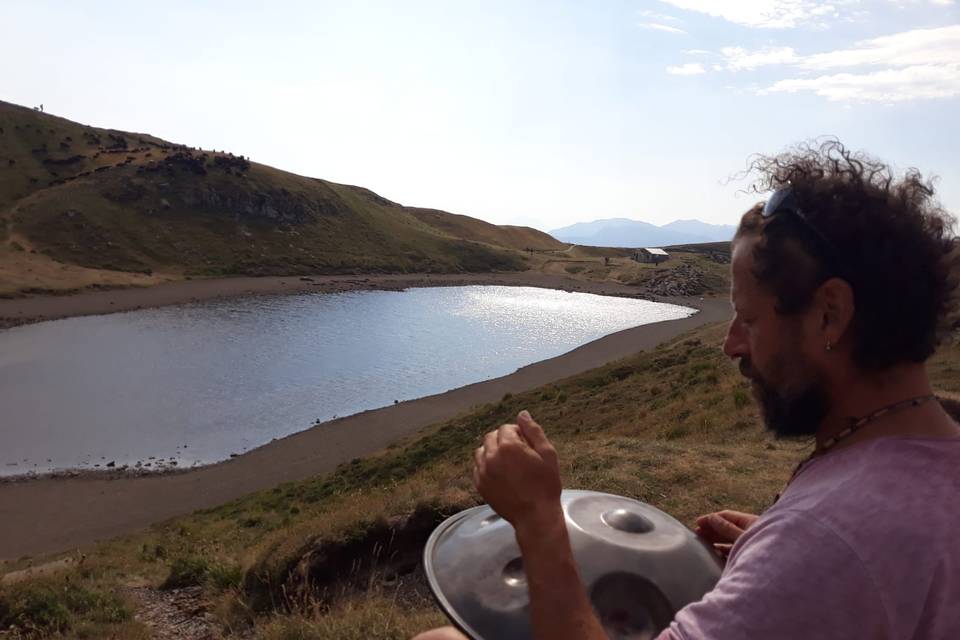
735, 344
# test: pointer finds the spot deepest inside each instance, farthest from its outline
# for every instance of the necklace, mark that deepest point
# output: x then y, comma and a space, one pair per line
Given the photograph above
855, 425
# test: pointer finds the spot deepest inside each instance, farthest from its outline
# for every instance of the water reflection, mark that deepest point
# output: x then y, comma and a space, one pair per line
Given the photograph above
194, 383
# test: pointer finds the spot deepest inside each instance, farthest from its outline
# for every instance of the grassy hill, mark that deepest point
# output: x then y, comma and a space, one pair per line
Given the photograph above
337, 556
113, 207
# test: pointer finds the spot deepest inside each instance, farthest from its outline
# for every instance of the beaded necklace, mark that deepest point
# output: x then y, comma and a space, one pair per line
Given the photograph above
855, 425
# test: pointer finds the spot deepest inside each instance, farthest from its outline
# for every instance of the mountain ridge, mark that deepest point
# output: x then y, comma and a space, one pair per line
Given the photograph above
626, 232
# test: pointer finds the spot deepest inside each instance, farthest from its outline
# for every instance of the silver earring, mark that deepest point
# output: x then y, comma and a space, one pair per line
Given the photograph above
829, 347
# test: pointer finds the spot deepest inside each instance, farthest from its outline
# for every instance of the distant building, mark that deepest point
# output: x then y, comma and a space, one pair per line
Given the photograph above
651, 256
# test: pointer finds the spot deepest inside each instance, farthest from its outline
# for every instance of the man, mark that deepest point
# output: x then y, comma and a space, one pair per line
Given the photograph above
842, 285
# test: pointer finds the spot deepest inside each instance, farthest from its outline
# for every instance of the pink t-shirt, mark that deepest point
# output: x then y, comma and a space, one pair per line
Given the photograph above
864, 543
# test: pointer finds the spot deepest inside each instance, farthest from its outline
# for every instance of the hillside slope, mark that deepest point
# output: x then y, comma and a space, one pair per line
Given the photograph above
78, 197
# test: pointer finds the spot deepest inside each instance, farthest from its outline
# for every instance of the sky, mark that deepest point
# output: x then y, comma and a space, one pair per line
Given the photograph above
516, 112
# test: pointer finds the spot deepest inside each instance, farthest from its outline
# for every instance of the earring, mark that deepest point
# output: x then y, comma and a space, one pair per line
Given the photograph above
829, 347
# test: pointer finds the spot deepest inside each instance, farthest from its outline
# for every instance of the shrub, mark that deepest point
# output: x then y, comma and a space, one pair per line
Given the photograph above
223, 577
193, 571
186, 572
46, 607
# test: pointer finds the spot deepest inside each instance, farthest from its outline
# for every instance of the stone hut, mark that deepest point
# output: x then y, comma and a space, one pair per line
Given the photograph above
650, 256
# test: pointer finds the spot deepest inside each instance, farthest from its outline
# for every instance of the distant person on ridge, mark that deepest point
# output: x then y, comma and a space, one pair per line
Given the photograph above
844, 282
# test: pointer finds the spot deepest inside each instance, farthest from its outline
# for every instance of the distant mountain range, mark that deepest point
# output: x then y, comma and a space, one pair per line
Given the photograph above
623, 232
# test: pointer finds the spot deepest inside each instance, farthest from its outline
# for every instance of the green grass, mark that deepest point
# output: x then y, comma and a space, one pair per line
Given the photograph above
61, 606
190, 571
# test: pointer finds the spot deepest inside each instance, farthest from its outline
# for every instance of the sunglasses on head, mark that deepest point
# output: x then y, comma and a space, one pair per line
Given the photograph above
785, 201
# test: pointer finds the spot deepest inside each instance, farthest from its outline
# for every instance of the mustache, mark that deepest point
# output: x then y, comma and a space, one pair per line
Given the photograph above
746, 369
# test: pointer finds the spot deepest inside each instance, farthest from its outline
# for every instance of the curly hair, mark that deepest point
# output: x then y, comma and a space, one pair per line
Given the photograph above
895, 243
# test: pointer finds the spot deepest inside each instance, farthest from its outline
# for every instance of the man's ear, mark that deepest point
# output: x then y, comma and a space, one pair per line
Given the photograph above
835, 303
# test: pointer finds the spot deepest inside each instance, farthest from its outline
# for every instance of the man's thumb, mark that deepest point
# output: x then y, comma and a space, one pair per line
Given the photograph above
531, 431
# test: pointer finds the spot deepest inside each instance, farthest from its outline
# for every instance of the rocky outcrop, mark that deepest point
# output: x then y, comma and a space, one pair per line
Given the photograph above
64, 161
684, 280
278, 205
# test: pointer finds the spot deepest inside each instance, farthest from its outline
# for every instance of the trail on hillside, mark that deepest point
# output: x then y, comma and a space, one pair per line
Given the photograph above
176, 614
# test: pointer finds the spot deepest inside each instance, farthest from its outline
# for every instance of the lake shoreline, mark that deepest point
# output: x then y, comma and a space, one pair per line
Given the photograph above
32, 309
50, 513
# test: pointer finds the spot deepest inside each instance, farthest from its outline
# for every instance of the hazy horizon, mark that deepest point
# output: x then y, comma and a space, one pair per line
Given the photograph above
515, 113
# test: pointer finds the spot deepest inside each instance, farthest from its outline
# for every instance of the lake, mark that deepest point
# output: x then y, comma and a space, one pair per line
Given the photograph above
192, 384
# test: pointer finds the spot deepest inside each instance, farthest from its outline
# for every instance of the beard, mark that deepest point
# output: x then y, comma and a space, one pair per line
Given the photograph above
788, 409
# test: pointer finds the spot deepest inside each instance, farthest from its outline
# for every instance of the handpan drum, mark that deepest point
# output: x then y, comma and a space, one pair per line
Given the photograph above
640, 566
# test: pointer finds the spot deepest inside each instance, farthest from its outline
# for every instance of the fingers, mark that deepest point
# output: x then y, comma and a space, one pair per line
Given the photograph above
533, 433
442, 633
479, 459
490, 445
739, 518
509, 434
718, 529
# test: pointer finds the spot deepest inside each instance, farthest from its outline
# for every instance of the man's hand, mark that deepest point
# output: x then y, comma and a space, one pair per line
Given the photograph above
517, 473
723, 528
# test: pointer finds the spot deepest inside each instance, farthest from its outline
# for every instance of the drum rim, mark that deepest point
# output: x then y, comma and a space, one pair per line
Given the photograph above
428, 570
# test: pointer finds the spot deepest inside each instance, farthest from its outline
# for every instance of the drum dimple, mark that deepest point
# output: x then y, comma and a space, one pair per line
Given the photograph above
491, 519
630, 607
513, 573
626, 520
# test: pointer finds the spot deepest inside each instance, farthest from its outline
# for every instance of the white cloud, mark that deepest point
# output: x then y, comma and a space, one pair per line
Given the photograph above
660, 27
916, 64
739, 59
917, 47
942, 3
889, 85
660, 17
696, 52
769, 14
691, 69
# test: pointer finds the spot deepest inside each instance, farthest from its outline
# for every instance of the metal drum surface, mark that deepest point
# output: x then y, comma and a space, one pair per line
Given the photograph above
640, 566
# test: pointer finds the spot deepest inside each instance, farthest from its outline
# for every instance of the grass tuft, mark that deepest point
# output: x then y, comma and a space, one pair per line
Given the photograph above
191, 571
57, 605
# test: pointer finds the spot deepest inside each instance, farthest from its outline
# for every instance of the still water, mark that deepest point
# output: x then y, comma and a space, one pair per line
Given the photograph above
195, 383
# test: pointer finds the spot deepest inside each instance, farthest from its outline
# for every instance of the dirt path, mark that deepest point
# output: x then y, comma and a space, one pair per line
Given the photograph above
177, 614
48, 515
